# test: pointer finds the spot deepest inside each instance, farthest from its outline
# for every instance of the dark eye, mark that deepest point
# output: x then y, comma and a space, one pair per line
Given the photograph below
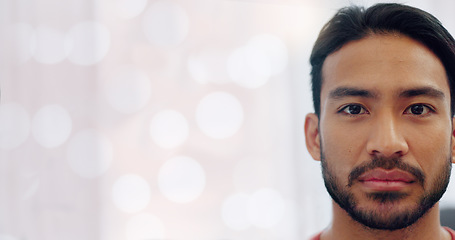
353, 109
418, 109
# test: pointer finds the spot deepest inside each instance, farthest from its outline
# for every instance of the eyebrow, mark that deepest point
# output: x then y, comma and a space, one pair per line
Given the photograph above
342, 92
422, 91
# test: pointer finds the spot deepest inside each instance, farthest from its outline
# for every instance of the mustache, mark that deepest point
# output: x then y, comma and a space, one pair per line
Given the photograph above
387, 164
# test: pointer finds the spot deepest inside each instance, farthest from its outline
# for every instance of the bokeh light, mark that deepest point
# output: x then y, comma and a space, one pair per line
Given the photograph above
14, 125
266, 208
150, 119
289, 223
165, 23
219, 115
129, 8
48, 45
252, 65
131, 193
89, 153
234, 212
181, 179
127, 89
169, 129
208, 66
51, 126
145, 226
87, 42
249, 68
274, 49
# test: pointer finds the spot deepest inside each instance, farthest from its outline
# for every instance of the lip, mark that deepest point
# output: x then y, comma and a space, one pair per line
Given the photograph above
386, 180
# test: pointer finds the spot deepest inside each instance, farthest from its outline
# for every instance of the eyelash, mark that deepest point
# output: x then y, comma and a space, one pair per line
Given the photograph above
343, 109
427, 109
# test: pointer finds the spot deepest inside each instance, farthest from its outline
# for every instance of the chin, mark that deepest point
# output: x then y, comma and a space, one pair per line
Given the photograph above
390, 214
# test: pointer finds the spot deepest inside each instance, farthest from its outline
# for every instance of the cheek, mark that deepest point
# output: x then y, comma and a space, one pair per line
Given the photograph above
342, 150
344, 141
432, 148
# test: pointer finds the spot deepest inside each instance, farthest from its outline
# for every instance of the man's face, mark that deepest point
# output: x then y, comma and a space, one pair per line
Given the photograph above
384, 134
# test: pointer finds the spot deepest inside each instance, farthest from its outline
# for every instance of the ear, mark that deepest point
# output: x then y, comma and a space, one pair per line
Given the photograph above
453, 140
312, 136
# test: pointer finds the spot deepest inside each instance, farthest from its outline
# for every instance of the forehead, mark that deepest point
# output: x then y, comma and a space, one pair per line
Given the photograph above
383, 63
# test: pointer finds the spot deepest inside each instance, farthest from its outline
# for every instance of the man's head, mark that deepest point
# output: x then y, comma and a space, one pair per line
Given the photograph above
383, 127
354, 23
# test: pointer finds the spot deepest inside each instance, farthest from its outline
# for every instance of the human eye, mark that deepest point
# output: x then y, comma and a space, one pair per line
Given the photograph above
419, 109
353, 109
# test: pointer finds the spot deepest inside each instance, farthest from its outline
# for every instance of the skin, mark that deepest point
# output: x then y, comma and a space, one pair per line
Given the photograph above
416, 128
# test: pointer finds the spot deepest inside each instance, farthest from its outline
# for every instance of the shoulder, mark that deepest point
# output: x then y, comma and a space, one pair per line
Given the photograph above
452, 232
318, 236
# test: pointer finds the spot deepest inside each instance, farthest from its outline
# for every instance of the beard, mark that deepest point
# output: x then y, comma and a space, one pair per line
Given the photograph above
379, 219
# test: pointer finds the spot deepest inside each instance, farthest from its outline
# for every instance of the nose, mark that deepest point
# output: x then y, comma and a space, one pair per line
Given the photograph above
386, 138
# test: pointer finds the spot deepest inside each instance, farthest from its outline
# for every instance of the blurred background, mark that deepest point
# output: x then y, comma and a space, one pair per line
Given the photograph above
162, 119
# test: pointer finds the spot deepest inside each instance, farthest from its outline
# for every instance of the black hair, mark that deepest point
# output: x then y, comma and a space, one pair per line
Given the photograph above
354, 23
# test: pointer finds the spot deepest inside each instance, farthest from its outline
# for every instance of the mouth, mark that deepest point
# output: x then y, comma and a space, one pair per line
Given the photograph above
381, 180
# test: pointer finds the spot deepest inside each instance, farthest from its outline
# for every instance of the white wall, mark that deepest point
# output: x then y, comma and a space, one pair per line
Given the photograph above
163, 119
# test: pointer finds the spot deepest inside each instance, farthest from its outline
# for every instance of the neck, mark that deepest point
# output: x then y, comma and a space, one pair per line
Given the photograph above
344, 227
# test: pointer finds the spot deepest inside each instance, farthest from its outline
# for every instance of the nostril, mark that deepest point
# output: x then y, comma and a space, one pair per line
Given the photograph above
387, 145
